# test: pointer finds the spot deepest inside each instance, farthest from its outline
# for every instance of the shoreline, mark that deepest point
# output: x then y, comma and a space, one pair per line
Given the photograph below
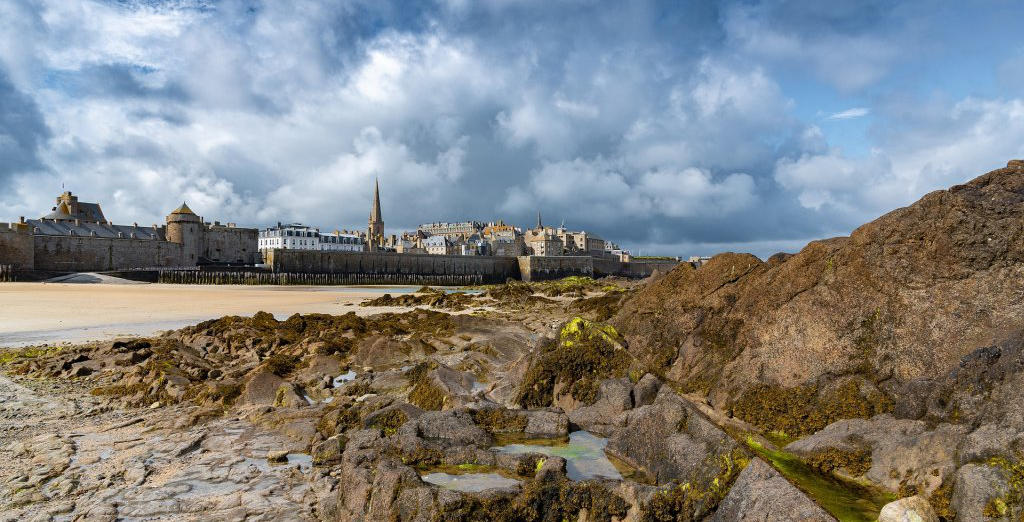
56, 313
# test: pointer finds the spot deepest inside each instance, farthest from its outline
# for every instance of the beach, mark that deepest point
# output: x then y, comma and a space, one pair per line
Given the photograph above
37, 313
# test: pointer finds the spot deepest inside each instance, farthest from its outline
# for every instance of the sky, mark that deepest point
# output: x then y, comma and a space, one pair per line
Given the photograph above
671, 128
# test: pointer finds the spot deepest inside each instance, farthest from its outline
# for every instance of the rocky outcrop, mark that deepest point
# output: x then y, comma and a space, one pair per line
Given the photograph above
842, 328
761, 494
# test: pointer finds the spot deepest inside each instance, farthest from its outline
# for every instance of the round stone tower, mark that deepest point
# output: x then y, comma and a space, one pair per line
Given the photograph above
186, 228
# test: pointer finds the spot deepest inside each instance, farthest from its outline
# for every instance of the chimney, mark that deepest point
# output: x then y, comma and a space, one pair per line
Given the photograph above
21, 219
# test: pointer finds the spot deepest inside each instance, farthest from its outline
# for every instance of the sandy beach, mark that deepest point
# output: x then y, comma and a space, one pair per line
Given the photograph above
35, 313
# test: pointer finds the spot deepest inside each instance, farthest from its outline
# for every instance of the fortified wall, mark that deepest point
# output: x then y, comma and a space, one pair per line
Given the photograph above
97, 254
76, 237
16, 247
485, 269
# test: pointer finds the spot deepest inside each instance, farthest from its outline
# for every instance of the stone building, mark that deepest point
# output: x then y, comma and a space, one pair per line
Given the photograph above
438, 245
76, 237
451, 230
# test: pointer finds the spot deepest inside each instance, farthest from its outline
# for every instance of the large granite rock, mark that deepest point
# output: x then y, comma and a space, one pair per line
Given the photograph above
904, 297
896, 454
671, 440
761, 494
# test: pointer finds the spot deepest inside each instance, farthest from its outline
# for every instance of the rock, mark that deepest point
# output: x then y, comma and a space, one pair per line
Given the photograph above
761, 494
454, 427
329, 451
975, 487
991, 441
277, 456
904, 297
543, 423
670, 439
646, 390
287, 396
910, 509
895, 454
261, 388
614, 396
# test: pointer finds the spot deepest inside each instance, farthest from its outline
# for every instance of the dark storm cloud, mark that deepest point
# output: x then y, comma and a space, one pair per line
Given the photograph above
23, 130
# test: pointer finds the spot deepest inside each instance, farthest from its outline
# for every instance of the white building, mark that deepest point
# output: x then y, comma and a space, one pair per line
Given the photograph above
295, 236
344, 241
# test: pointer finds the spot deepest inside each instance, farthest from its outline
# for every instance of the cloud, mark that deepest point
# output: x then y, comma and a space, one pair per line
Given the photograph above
849, 114
681, 125
612, 191
22, 131
935, 146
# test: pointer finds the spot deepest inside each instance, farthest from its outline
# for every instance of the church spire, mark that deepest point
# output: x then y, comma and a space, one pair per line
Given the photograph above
540, 225
375, 211
375, 228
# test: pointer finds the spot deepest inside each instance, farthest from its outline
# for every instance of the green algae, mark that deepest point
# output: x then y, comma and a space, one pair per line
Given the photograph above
845, 500
585, 353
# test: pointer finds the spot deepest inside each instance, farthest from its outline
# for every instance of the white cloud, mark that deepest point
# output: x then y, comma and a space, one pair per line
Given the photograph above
935, 147
849, 114
611, 191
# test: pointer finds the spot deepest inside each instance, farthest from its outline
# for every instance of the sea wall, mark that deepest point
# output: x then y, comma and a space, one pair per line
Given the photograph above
393, 267
483, 269
16, 247
538, 268
93, 254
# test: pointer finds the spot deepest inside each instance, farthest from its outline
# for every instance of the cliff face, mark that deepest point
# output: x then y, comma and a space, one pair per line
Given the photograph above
848, 323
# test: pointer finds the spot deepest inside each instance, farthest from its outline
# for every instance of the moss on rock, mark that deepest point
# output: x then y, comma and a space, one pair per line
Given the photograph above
854, 462
802, 410
586, 352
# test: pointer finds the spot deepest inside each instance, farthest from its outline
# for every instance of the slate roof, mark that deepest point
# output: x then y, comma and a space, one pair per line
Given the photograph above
67, 228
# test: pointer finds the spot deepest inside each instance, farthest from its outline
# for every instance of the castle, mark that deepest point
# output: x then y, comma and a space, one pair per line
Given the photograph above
76, 237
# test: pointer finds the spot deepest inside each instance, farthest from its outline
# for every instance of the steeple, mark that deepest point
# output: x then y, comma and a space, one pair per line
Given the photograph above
375, 211
375, 228
540, 225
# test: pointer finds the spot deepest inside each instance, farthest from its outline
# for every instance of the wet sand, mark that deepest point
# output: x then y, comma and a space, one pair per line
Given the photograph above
36, 313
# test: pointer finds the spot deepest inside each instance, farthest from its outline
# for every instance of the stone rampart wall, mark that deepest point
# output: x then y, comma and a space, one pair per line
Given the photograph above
539, 268
16, 247
92, 254
491, 269
230, 245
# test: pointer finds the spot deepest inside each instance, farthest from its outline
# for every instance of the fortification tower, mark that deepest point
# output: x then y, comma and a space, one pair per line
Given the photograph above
186, 228
375, 226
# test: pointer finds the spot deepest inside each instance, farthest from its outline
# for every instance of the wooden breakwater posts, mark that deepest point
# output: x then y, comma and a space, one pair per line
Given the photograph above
209, 277
7, 274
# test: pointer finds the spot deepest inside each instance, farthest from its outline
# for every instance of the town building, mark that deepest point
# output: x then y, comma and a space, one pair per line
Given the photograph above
342, 240
296, 236
451, 230
438, 245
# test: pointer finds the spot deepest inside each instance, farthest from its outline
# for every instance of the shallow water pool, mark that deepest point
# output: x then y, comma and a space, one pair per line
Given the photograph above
583, 453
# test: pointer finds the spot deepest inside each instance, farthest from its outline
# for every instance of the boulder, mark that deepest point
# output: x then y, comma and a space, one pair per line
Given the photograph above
261, 388
329, 451
614, 396
670, 439
895, 454
910, 509
546, 423
761, 494
646, 390
454, 427
976, 487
